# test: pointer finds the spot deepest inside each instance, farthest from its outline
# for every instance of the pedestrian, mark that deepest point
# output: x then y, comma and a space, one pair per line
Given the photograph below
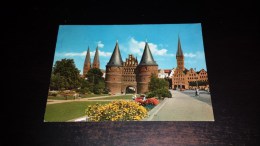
197, 92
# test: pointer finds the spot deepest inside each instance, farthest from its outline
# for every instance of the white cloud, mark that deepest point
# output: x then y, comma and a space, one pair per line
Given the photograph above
73, 54
137, 47
191, 55
100, 44
105, 54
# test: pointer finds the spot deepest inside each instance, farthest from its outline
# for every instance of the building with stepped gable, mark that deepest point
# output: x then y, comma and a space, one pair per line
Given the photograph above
182, 77
121, 76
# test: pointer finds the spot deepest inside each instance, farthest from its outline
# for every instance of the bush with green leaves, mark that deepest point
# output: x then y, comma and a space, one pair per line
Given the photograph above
158, 87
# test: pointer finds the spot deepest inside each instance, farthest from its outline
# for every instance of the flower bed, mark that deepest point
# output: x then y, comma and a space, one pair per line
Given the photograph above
151, 101
116, 111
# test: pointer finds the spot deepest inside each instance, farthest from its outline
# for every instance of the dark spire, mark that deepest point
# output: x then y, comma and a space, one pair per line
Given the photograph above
96, 59
87, 63
87, 59
147, 58
179, 50
116, 59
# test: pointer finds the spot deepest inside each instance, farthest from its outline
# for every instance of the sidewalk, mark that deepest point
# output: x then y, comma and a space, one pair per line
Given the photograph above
181, 108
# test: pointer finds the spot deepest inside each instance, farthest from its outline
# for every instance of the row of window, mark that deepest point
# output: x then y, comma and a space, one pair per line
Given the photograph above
178, 83
203, 73
193, 74
177, 79
129, 79
129, 70
192, 78
128, 73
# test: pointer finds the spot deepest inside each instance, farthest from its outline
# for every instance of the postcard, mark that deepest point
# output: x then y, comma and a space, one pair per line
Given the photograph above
144, 72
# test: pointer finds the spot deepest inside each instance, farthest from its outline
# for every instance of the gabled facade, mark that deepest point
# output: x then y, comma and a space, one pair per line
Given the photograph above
130, 74
182, 77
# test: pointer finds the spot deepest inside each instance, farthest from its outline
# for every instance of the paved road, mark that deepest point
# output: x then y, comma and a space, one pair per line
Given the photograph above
204, 96
182, 107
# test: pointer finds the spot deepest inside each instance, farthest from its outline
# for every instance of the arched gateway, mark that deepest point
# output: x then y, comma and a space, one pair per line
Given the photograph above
129, 89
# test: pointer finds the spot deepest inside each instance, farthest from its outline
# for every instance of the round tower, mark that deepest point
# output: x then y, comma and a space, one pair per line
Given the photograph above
145, 69
114, 68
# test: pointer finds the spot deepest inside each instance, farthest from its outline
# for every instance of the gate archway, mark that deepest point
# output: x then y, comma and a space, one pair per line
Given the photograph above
130, 90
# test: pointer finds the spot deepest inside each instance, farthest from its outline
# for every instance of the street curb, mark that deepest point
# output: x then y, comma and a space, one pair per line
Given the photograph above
155, 110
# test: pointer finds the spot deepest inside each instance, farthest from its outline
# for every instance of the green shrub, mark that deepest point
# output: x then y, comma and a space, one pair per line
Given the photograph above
150, 94
52, 94
83, 91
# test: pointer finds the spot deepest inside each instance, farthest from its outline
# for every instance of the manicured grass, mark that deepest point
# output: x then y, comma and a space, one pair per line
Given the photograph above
60, 97
127, 97
71, 97
63, 112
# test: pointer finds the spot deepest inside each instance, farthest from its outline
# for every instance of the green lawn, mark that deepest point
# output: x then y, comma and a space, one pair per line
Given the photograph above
71, 97
116, 97
63, 112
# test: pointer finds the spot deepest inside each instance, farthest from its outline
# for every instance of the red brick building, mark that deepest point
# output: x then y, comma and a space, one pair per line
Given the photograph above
130, 74
182, 76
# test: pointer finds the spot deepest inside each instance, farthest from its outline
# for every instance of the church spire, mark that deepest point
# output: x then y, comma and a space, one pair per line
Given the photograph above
180, 56
147, 58
87, 63
179, 50
96, 63
116, 59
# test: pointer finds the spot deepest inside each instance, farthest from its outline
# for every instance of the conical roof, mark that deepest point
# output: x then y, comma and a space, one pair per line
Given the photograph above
179, 50
96, 57
116, 59
87, 59
147, 58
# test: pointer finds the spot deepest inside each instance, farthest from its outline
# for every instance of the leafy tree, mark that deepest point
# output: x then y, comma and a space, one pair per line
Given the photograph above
94, 75
95, 82
57, 82
65, 75
85, 87
158, 87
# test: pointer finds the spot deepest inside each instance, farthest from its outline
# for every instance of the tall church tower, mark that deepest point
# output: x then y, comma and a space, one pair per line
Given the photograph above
145, 69
114, 68
96, 63
180, 56
179, 79
87, 63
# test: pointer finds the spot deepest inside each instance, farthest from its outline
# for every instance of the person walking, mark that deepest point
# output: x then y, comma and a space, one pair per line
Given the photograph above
197, 92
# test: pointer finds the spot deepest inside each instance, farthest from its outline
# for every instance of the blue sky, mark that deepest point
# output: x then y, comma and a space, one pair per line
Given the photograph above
74, 40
